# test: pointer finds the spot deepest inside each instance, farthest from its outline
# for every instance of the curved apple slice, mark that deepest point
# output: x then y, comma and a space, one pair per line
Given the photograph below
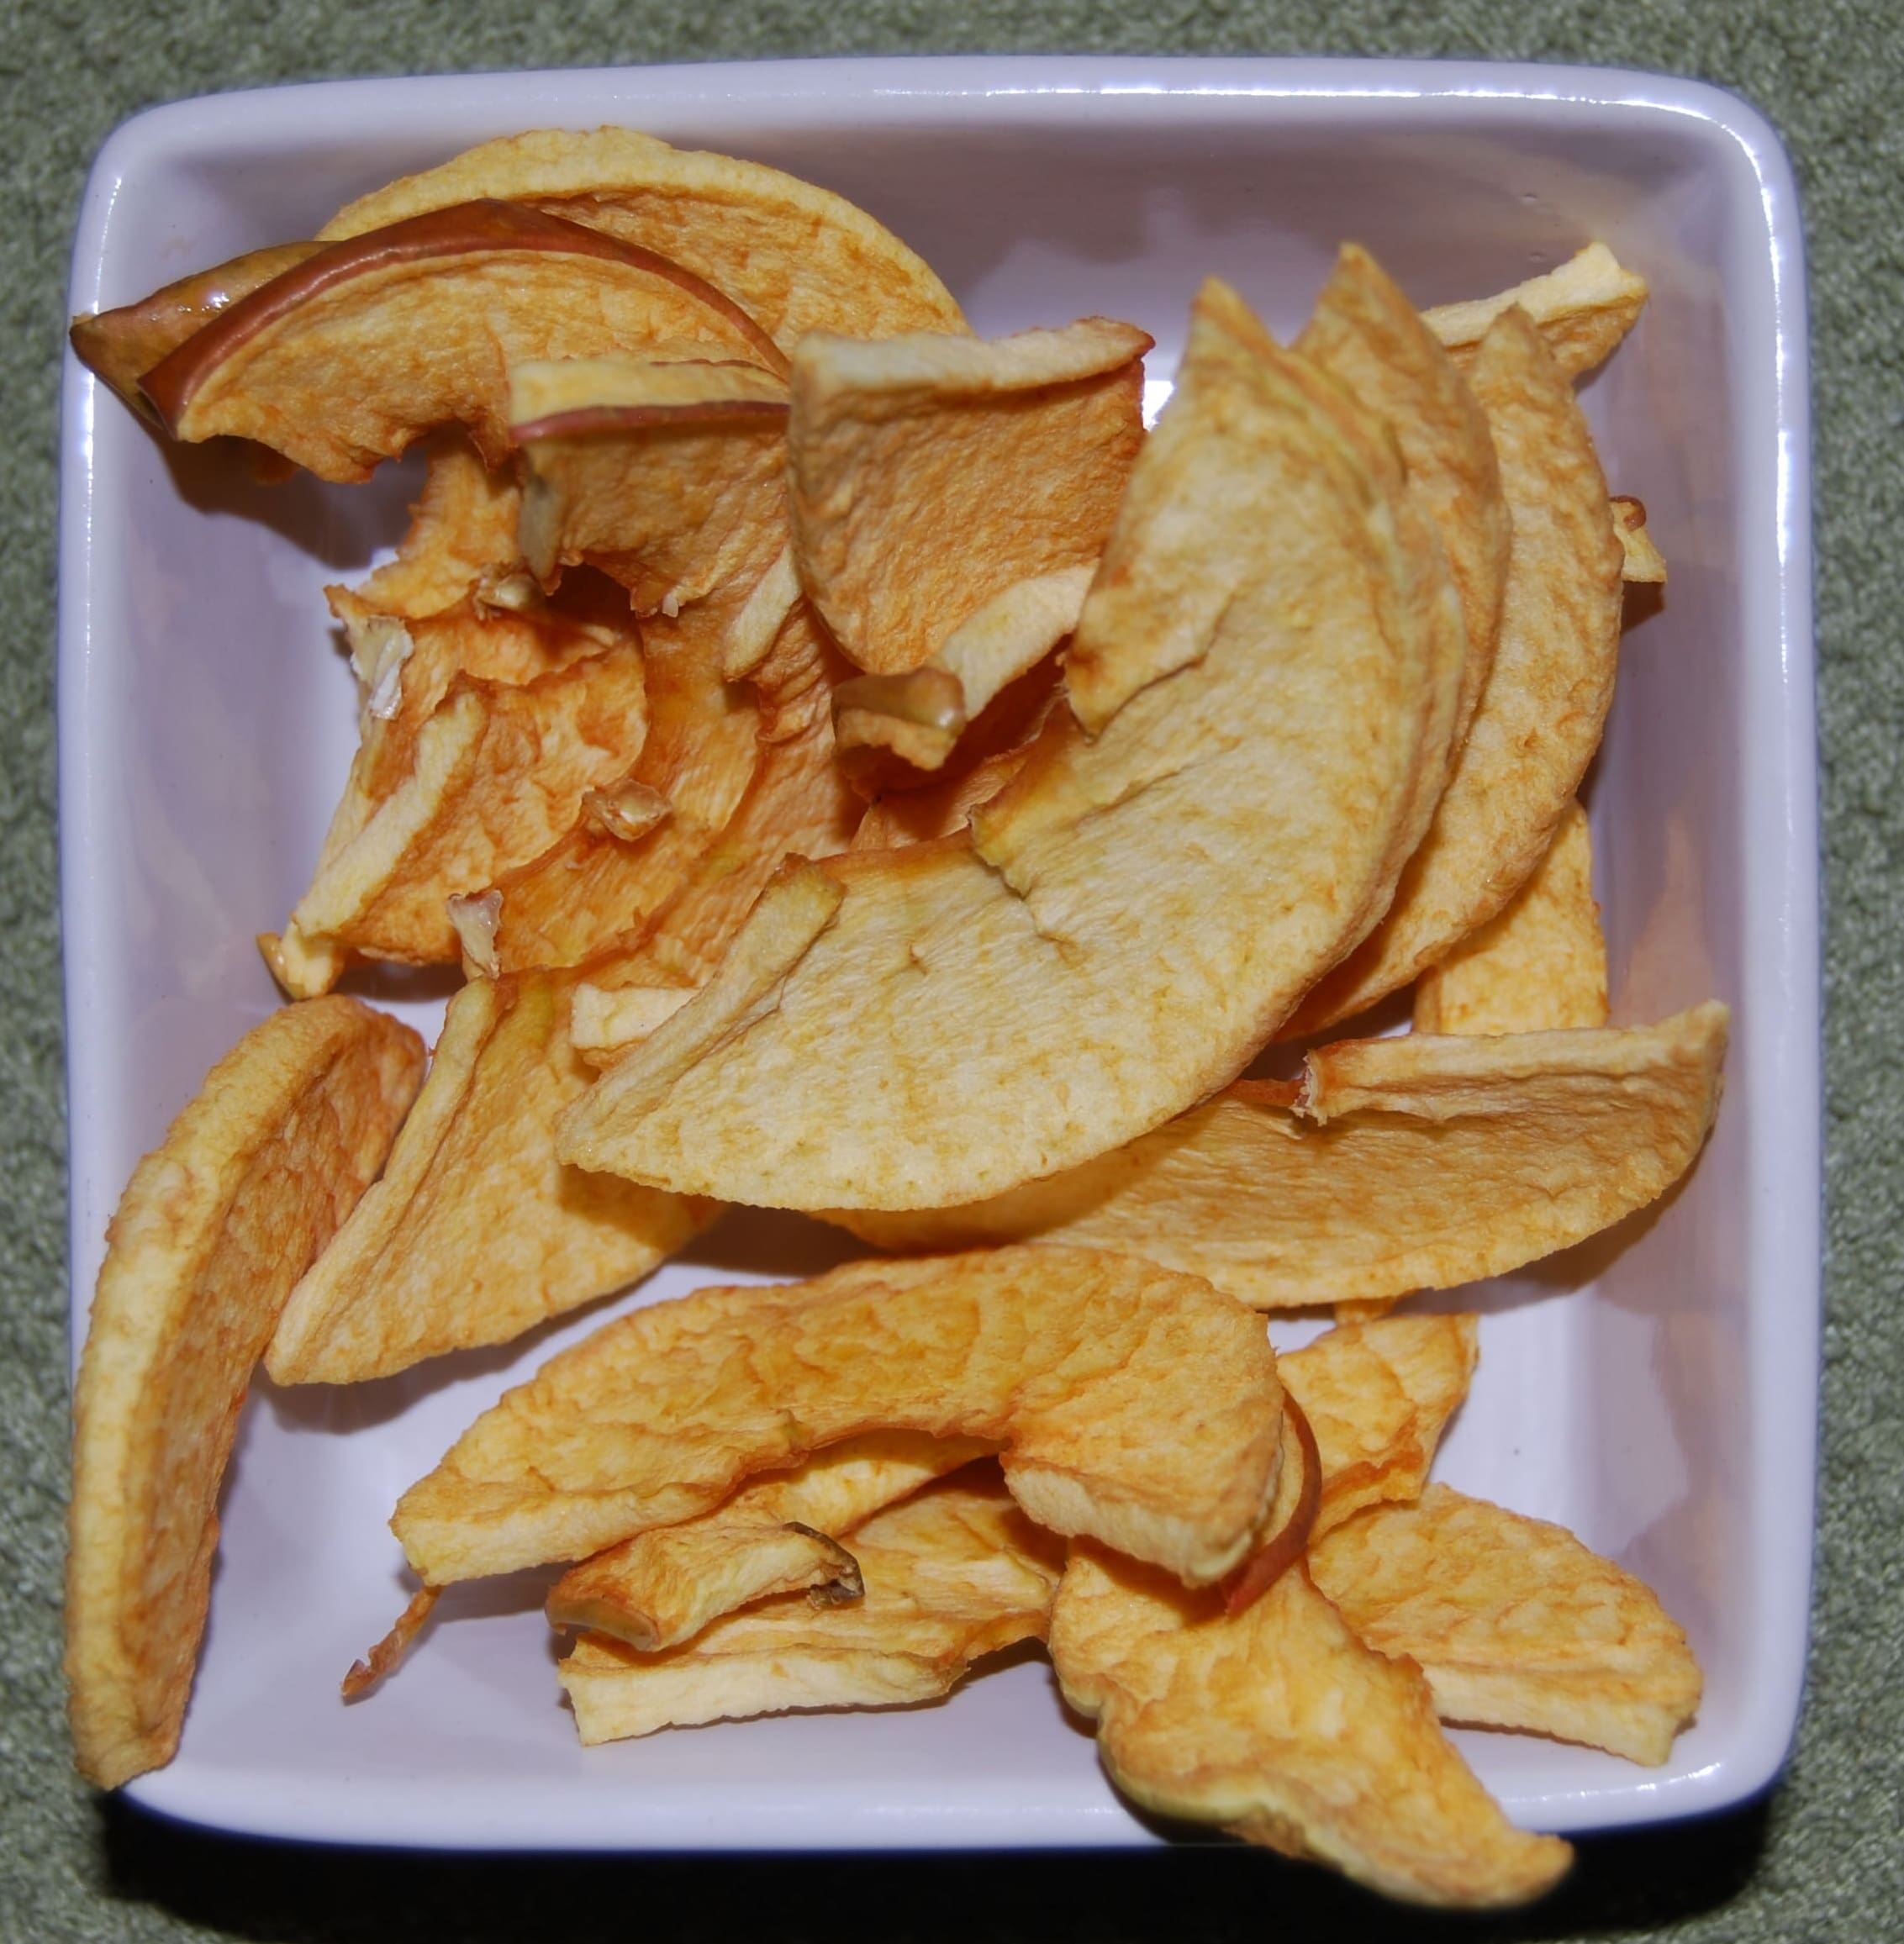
1545, 704
121, 346
1583, 309
1127, 1402
927, 474
350, 356
214, 1226
798, 257
1366, 333
1465, 1156
1121, 928
667, 474
1538, 966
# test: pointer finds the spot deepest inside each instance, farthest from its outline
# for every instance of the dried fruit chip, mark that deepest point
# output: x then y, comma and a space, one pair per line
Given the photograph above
1583, 309
661, 1588
1279, 1725
476, 1232
1377, 1396
1463, 1159
1365, 333
1131, 1403
665, 471
928, 474
1537, 967
1128, 919
499, 774
951, 1575
796, 256
321, 363
1540, 716
213, 1228
1515, 1623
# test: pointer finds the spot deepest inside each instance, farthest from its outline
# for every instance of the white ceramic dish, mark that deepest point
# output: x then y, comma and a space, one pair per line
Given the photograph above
1656, 1392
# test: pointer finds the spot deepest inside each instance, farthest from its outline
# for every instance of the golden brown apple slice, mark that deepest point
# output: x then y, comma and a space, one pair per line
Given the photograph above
121, 346
1515, 1623
1279, 1725
1121, 928
1365, 332
475, 1233
663, 1587
1463, 1158
1540, 714
666, 473
951, 1575
1537, 967
929, 473
1583, 309
213, 1228
1129, 1402
356, 351
1643, 564
796, 256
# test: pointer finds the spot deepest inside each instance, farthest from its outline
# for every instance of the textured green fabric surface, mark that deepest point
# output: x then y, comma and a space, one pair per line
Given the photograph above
1823, 1857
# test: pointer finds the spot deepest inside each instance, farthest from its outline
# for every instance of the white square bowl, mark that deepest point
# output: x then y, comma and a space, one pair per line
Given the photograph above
1655, 1391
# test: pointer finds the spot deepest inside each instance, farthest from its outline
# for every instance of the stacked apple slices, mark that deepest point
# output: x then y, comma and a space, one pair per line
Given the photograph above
859, 769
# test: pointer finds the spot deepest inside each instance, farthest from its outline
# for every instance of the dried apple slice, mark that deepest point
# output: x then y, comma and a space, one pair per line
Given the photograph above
951, 1575
929, 473
1376, 1397
1539, 966
797, 256
775, 1534
213, 1228
475, 1233
1119, 928
121, 346
353, 353
1462, 1158
1129, 1401
1515, 1623
1583, 309
1365, 333
499, 776
666, 472
1540, 714
1279, 1725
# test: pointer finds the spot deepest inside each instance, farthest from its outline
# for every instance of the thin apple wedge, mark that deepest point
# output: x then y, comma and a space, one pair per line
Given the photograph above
798, 257
355, 352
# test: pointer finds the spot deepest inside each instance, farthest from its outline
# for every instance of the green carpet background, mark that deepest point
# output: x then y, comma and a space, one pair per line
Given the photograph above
1821, 1857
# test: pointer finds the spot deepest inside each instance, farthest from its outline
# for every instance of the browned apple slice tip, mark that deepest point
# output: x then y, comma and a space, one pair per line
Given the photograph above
1299, 1498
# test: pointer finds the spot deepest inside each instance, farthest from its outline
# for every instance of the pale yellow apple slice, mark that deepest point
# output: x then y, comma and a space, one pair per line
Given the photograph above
929, 473
776, 1534
1128, 1401
664, 472
214, 1227
1583, 309
1460, 1158
1542, 712
797, 257
1515, 1623
475, 1233
951, 1575
1539, 966
1279, 1725
1123, 925
1365, 332
354, 353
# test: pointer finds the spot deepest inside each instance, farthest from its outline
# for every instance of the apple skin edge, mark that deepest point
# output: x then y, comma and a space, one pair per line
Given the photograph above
168, 385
